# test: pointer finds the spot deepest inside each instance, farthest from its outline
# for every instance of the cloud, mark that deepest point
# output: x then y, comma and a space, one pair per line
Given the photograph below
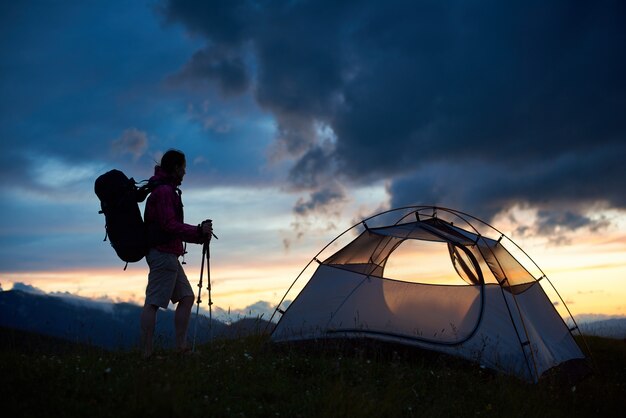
217, 65
323, 197
295, 135
551, 221
258, 309
568, 182
132, 141
484, 105
23, 287
103, 303
53, 173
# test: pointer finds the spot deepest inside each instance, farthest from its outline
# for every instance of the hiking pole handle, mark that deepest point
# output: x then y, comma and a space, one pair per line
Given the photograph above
211, 223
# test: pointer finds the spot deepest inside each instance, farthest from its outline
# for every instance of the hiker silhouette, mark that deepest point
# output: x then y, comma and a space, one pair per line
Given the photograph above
167, 280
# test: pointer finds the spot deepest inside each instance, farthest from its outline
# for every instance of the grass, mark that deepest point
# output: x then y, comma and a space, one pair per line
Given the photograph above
251, 377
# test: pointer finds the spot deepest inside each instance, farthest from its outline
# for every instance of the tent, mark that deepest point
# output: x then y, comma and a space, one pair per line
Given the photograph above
496, 313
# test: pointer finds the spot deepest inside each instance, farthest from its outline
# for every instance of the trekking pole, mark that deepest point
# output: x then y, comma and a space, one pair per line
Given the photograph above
199, 300
208, 287
205, 254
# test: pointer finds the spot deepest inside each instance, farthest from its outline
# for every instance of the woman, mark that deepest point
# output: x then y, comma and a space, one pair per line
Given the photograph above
167, 281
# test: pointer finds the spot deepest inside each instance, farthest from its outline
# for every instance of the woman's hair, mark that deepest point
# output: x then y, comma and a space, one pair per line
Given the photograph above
172, 159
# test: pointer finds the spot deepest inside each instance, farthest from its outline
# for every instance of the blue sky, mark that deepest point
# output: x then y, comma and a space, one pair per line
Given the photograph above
300, 117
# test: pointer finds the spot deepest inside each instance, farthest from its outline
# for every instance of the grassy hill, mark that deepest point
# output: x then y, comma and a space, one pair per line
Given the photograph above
251, 377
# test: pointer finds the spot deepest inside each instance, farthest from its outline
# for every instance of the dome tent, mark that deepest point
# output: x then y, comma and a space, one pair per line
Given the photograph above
498, 314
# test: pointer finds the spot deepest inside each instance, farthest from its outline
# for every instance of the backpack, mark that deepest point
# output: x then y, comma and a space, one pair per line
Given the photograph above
119, 197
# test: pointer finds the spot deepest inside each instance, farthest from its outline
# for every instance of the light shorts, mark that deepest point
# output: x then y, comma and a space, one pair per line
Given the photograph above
167, 280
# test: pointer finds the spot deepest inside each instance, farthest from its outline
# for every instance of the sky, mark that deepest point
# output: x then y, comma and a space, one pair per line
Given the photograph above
300, 118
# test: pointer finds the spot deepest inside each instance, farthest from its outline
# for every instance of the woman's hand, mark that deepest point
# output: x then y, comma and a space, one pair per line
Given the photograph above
207, 228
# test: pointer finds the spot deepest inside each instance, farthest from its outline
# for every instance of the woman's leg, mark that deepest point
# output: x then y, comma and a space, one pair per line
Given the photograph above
181, 321
148, 321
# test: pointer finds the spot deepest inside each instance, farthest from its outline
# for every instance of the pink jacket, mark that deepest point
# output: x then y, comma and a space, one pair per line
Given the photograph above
164, 212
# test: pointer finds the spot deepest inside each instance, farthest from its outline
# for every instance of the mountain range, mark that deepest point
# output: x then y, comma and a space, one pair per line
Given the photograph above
116, 325
109, 325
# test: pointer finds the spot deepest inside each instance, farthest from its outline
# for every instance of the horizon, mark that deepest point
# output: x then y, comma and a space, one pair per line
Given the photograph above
301, 119
258, 311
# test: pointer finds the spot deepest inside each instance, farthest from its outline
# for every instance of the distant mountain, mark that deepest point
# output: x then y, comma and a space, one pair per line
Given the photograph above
108, 325
611, 328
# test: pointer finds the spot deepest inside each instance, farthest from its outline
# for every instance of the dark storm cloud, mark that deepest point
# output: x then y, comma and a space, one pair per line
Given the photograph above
320, 199
310, 172
548, 220
485, 188
481, 104
222, 21
217, 65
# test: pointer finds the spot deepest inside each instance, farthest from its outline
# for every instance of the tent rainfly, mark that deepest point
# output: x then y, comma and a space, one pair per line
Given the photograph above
498, 315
